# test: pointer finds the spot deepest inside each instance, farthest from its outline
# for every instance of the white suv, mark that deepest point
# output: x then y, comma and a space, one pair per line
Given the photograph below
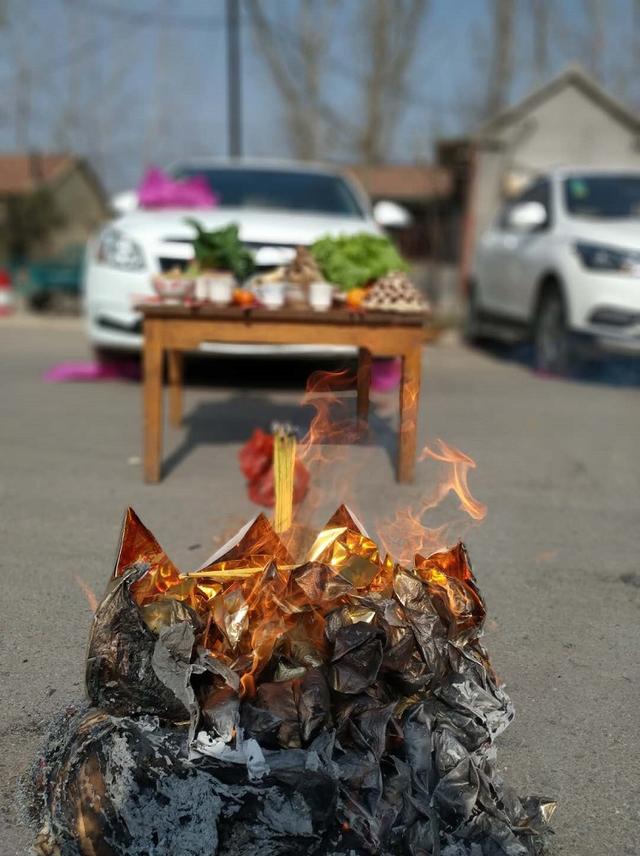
561, 265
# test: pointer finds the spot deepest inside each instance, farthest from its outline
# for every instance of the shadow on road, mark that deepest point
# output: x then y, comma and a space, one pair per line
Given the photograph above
233, 420
609, 371
259, 372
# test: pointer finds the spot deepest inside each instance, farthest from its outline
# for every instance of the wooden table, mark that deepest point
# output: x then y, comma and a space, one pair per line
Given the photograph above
176, 329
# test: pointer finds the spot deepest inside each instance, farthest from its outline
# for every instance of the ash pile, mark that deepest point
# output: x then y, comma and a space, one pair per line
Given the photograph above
343, 705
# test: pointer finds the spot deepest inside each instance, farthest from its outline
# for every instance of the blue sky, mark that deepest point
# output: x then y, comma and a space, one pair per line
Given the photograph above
109, 79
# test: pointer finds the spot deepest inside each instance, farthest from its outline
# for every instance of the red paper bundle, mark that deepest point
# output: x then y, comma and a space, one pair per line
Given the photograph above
256, 463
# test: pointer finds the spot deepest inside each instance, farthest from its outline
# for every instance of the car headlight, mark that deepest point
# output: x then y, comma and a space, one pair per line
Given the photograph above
120, 251
600, 257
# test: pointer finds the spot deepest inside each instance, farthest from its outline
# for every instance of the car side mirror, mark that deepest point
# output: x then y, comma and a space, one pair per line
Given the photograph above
390, 215
124, 203
527, 216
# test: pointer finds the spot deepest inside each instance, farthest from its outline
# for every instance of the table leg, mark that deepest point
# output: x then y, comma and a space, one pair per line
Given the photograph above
409, 400
152, 402
364, 383
175, 364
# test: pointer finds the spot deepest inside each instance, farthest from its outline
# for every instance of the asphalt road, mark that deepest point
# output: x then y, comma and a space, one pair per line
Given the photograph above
556, 557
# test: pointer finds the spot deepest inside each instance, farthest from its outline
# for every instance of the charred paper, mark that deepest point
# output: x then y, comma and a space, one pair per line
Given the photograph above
338, 705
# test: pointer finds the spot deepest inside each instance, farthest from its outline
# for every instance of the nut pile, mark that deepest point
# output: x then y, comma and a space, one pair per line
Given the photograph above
303, 269
395, 293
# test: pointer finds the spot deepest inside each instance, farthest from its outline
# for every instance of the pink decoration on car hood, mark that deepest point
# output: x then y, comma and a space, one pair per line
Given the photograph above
159, 190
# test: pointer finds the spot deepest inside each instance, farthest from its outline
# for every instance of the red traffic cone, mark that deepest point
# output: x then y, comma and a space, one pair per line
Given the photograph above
6, 293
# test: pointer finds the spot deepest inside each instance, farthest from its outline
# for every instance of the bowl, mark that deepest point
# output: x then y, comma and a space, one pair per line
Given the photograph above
173, 288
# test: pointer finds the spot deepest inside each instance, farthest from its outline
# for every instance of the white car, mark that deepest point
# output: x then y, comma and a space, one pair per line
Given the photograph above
561, 265
276, 207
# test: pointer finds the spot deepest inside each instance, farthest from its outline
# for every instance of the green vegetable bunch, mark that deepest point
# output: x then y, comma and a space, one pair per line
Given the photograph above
351, 261
221, 249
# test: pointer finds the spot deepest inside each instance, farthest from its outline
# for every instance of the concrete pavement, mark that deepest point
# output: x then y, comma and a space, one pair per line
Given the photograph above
556, 557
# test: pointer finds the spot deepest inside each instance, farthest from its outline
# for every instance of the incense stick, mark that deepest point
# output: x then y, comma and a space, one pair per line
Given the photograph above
284, 459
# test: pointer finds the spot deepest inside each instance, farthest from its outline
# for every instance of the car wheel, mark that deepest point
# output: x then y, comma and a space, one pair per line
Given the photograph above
553, 346
471, 325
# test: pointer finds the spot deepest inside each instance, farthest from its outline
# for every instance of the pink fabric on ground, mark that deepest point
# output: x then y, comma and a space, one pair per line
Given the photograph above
69, 372
385, 375
159, 190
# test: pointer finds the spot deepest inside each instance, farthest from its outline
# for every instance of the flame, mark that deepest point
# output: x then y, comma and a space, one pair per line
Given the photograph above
325, 451
272, 605
405, 533
460, 466
89, 593
322, 394
331, 433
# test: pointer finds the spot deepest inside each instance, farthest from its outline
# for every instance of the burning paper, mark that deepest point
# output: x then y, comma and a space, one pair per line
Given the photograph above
340, 704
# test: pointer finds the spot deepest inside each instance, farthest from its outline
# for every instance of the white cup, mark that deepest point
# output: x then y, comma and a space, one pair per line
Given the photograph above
320, 296
221, 291
272, 294
218, 288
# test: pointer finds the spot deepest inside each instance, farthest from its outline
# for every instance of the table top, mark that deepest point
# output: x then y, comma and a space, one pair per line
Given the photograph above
339, 317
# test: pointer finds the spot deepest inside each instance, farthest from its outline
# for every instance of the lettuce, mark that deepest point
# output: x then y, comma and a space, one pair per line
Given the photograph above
351, 261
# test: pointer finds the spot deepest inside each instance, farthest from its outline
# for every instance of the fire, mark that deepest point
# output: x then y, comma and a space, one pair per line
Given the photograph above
405, 533
89, 593
322, 394
248, 597
460, 466
254, 599
325, 449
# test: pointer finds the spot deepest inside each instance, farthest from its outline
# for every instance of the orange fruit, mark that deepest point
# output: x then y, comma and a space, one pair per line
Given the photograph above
355, 297
242, 297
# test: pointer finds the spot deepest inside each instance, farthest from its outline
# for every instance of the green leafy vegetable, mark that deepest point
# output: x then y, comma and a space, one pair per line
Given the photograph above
221, 249
354, 260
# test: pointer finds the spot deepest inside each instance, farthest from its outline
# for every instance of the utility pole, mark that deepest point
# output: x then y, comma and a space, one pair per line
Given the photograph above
234, 91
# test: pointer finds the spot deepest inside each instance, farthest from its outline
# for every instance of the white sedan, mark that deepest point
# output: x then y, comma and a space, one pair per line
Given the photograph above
561, 265
277, 208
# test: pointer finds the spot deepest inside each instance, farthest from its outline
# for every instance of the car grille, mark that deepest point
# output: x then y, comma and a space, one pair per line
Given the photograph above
166, 263
250, 245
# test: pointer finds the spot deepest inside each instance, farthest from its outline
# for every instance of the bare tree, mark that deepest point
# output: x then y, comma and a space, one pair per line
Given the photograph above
596, 38
586, 34
390, 36
20, 23
540, 27
634, 98
502, 59
296, 58
158, 126
68, 118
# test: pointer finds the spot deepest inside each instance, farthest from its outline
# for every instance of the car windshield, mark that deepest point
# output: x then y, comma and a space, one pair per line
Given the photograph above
281, 190
608, 197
